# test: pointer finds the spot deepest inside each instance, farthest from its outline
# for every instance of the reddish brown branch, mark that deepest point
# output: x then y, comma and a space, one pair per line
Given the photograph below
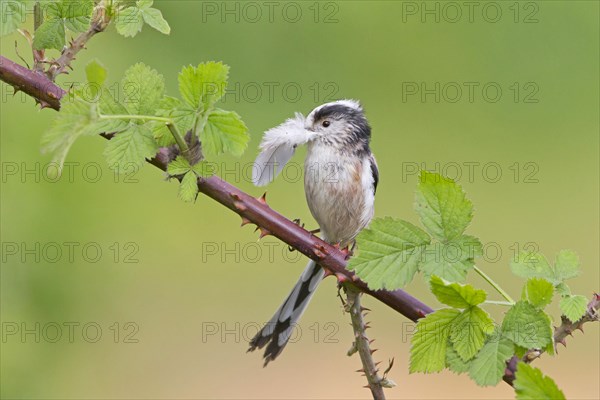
35, 84
329, 257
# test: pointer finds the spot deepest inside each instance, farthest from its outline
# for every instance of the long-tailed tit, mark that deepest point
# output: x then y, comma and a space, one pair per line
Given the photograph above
340, 178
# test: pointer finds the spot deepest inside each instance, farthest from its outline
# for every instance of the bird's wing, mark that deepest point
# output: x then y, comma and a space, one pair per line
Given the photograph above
277, 148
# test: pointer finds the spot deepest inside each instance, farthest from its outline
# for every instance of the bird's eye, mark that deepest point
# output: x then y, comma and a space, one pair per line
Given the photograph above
326, 123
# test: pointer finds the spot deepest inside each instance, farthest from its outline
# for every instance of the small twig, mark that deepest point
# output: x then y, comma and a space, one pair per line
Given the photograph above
19, 55
361, 342
561, 332
99, 22
183, 147
38, 55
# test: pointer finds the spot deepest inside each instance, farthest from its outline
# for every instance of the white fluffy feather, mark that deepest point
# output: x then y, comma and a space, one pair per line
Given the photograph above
277, 148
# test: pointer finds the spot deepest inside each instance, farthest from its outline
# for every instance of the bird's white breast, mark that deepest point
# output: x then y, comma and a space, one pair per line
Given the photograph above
339, 192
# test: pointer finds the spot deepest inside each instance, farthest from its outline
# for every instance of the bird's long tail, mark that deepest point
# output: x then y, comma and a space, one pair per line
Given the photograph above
278, 330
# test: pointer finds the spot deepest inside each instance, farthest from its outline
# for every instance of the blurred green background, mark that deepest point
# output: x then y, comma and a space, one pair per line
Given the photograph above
166, 308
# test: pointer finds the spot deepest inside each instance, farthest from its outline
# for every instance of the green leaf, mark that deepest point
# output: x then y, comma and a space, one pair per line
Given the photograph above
76, 14
179, 166
527, 326
188, 190
179, 112
442, 206
13, 16
129, 21
224, 132
469, 331
566, 265
534, 265
204, 169
451, 260
66, 128
389, 253
538, 291
108, 105
487, 369
520, 351
143, 88
531, 384
95, 73
50, 35
69, 14
96, 76
204, 85
144, 4
430, 341
130, 148
154, 18
455, 363
573, 307
455, 294
563, 289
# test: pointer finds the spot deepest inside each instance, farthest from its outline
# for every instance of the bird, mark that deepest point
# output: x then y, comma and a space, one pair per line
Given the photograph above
340, 181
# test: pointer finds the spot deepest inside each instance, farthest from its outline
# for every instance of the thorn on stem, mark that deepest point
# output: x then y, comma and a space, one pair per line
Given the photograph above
263, 232
245, 221
263, 199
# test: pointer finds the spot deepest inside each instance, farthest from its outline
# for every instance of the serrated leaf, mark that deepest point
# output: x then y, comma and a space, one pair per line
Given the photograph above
13, 16
455, 363
129, 21
143, 88
538, 291
469, 331
451, 260
442, 206
455, 294
224, 132
76, 14
69, 14
389, 253
50, 35
534, 265
203, 85
130, 148
527, 326
531, 384
204, 169
430, 341
188, 189
573, 307
154, 18
179, 166
487, 369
